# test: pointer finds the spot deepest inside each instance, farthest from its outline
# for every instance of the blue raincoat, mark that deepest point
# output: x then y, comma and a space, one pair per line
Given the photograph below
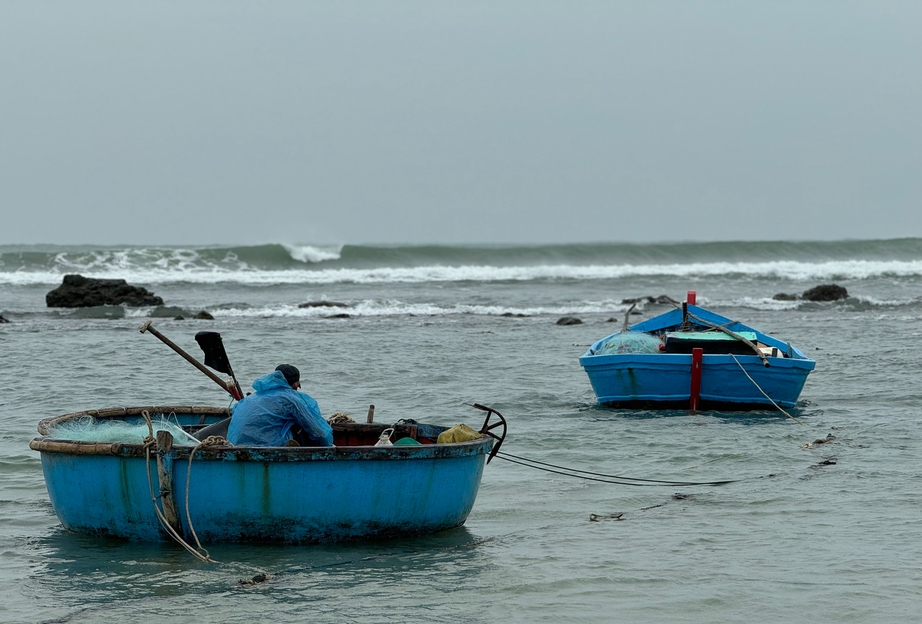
266, 417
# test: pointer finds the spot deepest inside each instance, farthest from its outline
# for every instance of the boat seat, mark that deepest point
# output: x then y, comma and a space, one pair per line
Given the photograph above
214, 429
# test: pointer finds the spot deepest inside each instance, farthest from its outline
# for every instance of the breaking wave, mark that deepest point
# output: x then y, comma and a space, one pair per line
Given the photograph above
310, 264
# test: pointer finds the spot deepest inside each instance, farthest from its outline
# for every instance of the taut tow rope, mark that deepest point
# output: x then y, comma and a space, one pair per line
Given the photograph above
604, 478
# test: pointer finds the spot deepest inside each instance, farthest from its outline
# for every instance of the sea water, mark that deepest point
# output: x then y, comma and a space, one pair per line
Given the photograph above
807, 532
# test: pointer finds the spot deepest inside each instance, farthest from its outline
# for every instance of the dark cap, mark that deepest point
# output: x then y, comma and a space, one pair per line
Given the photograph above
291, 373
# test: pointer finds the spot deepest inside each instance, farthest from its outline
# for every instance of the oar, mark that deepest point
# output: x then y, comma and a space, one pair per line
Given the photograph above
233, 389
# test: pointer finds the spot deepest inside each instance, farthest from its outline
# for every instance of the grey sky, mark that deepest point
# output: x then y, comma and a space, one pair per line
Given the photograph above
433, 122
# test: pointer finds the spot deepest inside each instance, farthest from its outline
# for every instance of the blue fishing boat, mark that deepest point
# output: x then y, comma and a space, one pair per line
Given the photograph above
184, 482
692, 358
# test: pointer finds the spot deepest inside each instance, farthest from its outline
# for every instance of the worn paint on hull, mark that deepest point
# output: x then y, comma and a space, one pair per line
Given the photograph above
285, 494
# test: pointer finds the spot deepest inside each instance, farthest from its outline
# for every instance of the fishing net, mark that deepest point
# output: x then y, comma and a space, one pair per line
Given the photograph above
88, 429
629, 342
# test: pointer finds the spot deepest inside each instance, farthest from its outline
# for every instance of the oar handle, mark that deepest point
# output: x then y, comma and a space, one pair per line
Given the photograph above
233, 389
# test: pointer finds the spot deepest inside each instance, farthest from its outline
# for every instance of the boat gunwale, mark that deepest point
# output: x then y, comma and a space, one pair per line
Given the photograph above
672, 319
46, 425
282, 454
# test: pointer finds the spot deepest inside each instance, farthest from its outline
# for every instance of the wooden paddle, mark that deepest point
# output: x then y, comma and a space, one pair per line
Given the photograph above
232, 388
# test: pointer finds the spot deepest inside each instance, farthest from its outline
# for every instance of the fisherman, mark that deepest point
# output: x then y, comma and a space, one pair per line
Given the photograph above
278, 413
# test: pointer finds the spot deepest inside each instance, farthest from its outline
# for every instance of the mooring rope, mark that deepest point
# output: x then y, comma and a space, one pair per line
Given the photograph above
209, 441
148, 443
763, 391
597, 476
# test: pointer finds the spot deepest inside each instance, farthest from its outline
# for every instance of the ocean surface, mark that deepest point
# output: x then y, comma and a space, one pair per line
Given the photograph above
806, 533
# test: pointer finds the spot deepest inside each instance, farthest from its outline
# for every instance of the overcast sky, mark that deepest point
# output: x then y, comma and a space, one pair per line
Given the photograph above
506, 121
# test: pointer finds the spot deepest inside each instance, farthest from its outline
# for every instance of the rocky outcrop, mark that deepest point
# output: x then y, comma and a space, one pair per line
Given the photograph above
77, 291
825, 292
569, 320
203, 315
3, 320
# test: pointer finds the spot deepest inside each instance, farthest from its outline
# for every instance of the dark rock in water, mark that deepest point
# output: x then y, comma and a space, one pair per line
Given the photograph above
3, 320
166, 312
179, 317
569, 320
338, 316
77, 291
612, 319
204, 315
826, 292
785, 297
99, 312
513, 315
323, 304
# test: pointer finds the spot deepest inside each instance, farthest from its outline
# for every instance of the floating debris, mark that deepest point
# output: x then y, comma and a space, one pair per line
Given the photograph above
817, 442
256, 580
600, 517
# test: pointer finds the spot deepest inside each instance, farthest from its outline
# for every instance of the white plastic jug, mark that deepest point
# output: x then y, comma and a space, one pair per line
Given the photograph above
385, 438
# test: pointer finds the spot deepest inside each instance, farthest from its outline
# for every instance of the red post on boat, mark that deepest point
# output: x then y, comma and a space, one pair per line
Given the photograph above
691, 297
695, 393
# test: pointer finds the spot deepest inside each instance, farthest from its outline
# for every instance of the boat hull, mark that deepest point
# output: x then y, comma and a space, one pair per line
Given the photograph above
664, 380
728, 381
238, 494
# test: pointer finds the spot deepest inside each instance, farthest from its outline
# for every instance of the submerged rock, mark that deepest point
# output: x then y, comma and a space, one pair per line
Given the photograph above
323, 304
77, 291
569, 320
826, 292
785, 297
204, 315
3, 320
167, 312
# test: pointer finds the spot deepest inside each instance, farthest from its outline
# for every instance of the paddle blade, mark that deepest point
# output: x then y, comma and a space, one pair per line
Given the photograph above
213, 348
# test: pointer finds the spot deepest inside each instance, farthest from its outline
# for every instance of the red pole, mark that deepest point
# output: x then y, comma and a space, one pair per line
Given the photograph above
691, 297
695, 391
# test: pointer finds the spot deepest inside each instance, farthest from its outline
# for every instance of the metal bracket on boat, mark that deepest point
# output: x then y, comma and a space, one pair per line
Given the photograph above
487, 428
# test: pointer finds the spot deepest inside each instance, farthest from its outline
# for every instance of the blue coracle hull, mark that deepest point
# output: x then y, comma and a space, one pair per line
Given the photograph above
270, 494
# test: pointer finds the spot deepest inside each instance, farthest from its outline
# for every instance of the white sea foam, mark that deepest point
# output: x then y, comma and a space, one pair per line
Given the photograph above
181, 268
311, 253
380, 308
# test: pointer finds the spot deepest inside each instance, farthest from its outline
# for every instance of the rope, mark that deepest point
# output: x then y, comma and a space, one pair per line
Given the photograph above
149, 442
209, 441
604, 478
732, 334
763, 391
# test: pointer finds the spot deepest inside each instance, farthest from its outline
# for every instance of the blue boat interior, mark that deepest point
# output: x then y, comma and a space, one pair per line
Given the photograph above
344, 434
